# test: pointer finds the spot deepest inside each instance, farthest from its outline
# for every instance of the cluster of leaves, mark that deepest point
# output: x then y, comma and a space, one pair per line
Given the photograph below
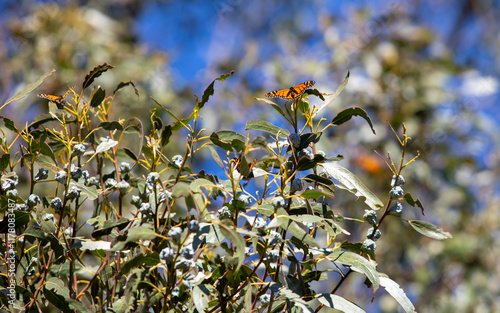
188, 241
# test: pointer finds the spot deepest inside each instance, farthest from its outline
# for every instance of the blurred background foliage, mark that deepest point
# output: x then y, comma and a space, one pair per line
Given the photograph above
430, 64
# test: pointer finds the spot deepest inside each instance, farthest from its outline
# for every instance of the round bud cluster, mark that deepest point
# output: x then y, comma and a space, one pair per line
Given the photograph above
175, 233
278, 202
56, 203
177, 160
79, 149
124, 168
374, 236
246, 199
42, 174
73, 193
396, 192
396, 209
370, 216
167, 255
224, 212
369, 245
400, 180
33, 200
193, 226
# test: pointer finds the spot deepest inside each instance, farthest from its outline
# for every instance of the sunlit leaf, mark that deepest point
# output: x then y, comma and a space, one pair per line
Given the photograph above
201, 294
109, 225
274, 105
26, 90
201, 182
228, 140
357, 263
430, 230
332, 98
397, 293
215, 156
92, 245
338, 303
267, 127
105, 146
230, 233
352, 184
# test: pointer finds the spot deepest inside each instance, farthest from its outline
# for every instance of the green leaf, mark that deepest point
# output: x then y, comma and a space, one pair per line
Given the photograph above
123, 84
336, 94
209, 91
149, 260
412, 202
347, 114
307, 139
352, 184
45, 237
140, 233
111, 126
287, 294
131, 238
9, 124
109, 225
58, 300
20, 219
94, 73
97, 97
327, 186
275, 106
267, 127
130, 154
305, 163
227, 140
26, 90
357, 263
4, 161
338, 303
201, 294
430, 230
397, 293
215, 156
285, 221
165, 135
230, 233
90, 191
202, 182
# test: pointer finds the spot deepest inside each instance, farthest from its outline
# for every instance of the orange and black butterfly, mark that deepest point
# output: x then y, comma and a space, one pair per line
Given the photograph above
292, 93
58, 100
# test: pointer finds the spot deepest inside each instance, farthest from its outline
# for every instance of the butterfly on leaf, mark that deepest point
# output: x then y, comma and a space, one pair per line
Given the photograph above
292, 93
58, 100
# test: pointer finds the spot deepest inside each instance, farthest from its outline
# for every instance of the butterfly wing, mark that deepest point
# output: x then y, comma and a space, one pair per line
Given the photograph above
292, 93
53, 98
280, 93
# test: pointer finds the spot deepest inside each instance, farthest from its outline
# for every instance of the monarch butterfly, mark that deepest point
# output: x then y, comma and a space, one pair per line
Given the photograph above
292, 93
56, 99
